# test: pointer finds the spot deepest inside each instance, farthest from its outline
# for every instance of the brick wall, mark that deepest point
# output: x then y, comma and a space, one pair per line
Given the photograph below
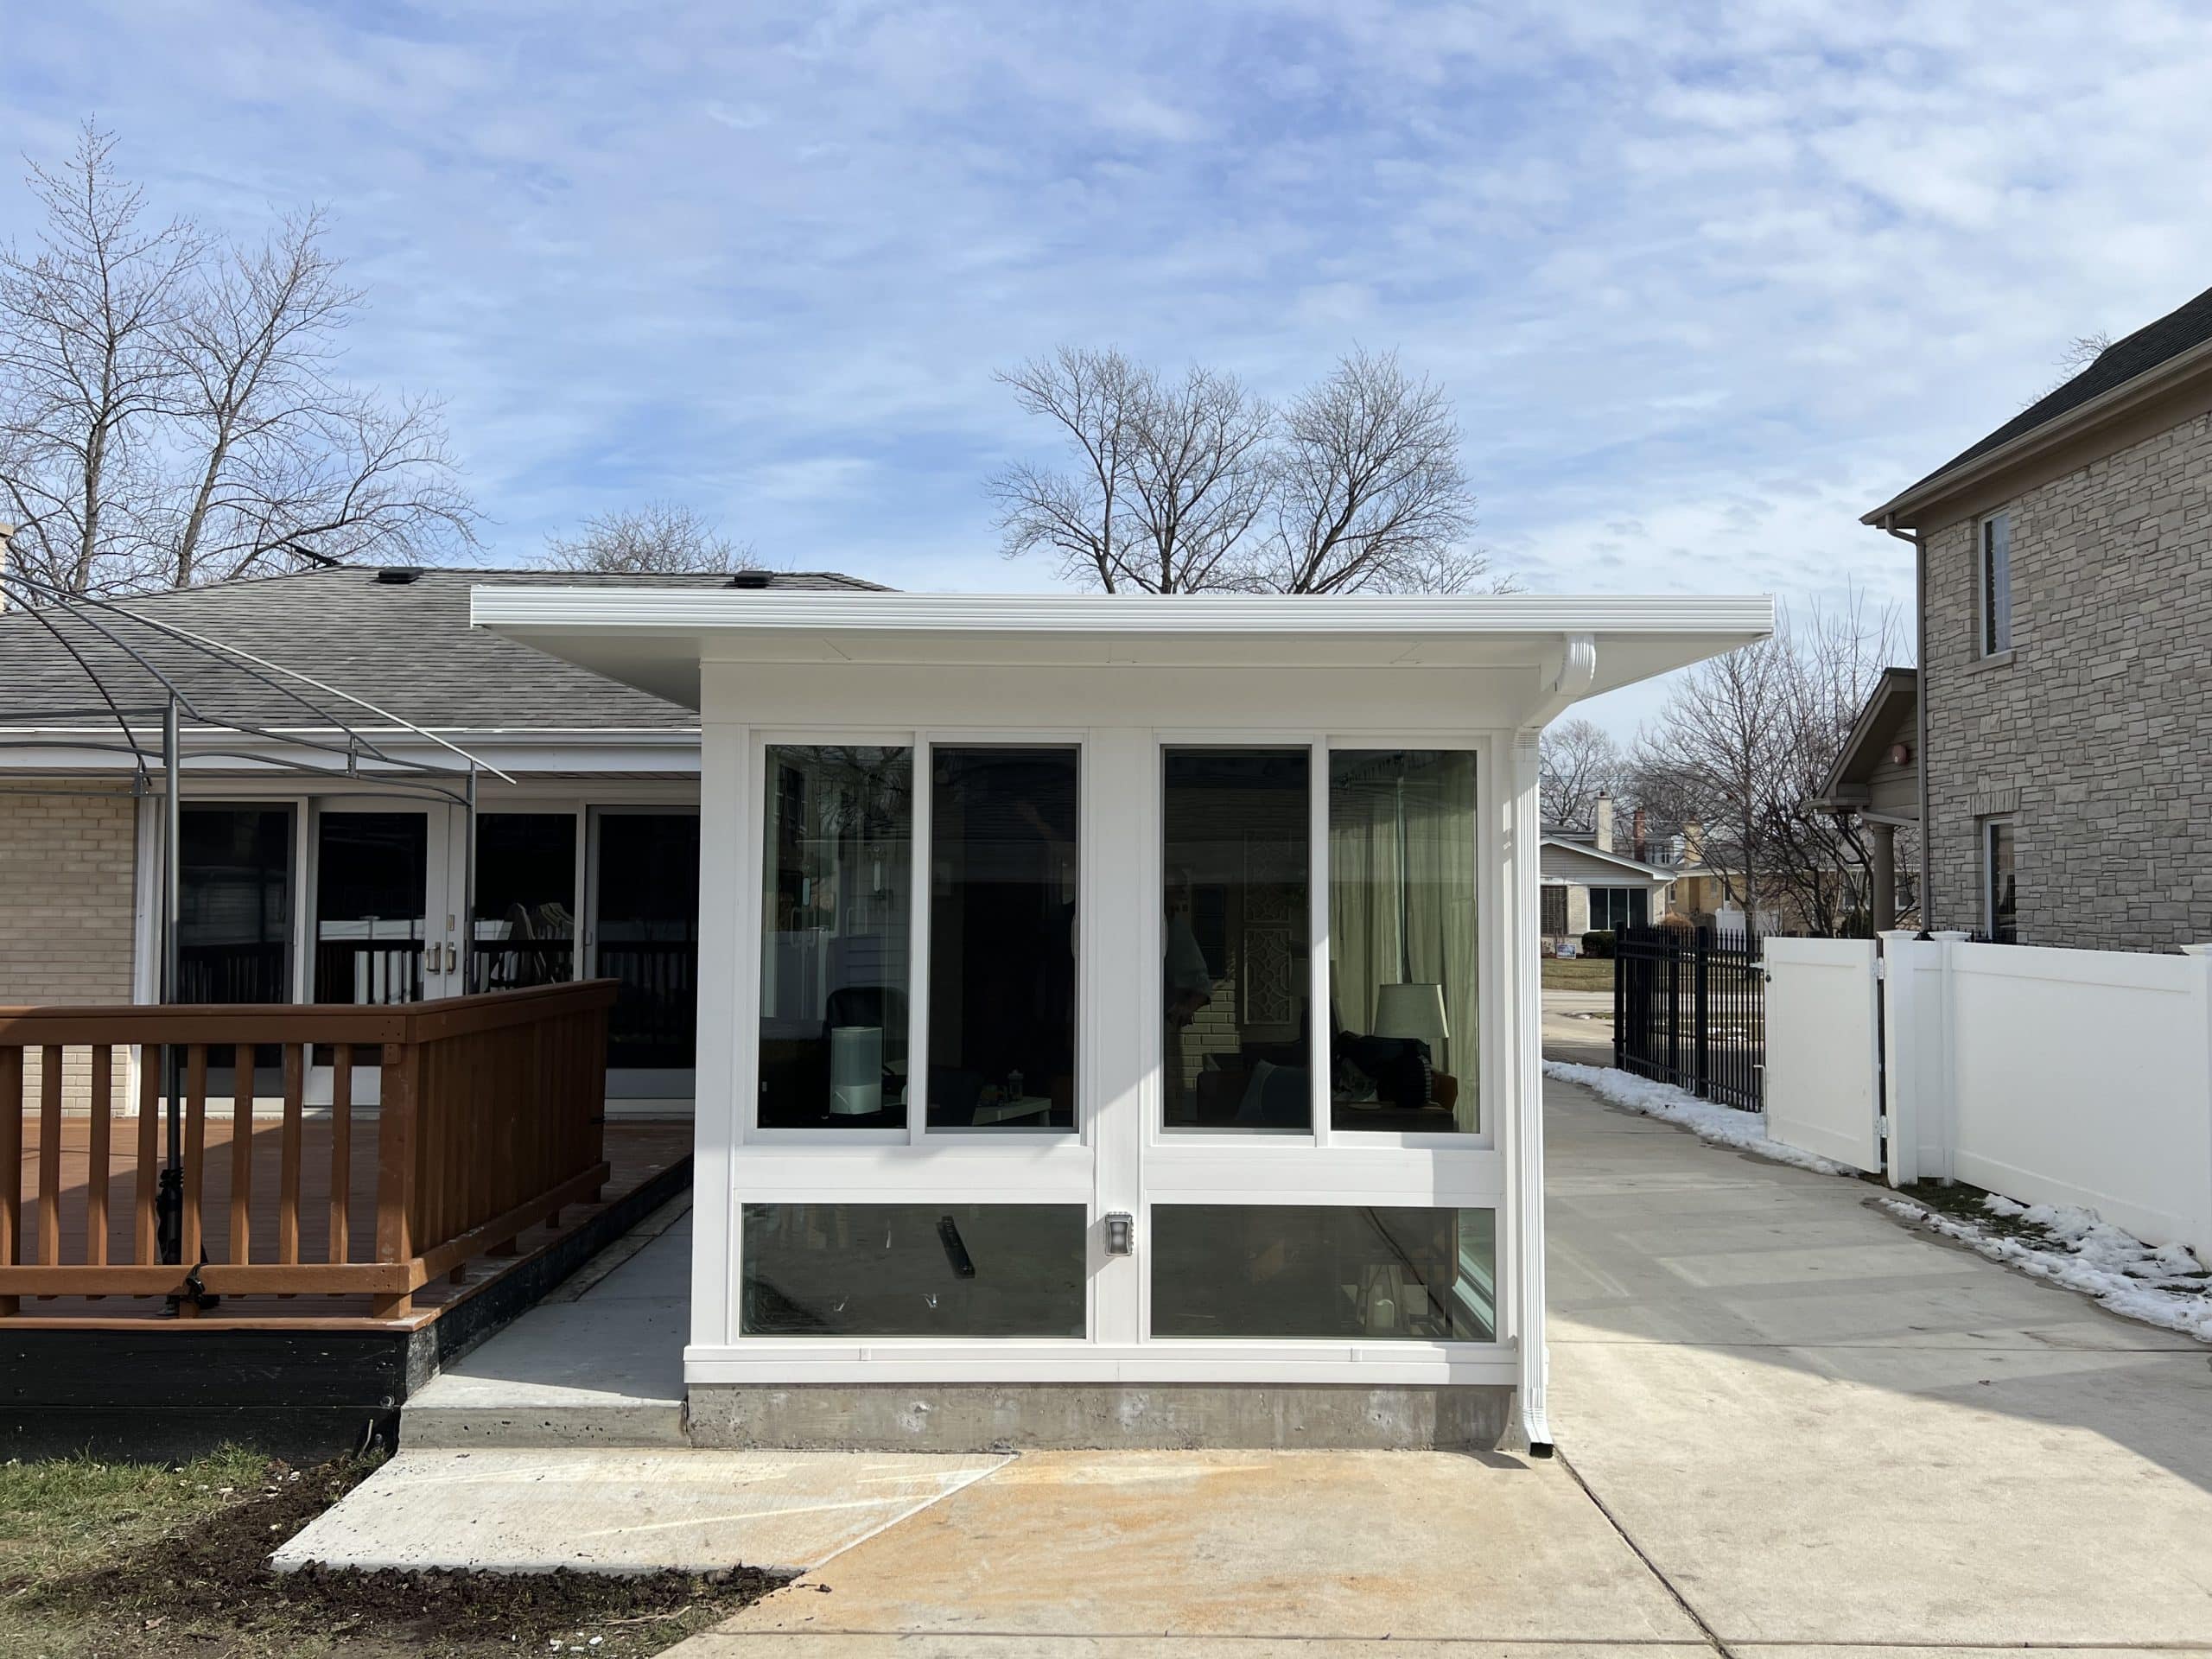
66, 864
2097, 734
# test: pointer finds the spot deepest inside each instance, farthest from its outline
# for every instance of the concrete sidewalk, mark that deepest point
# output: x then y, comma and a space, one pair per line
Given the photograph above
1790, 1427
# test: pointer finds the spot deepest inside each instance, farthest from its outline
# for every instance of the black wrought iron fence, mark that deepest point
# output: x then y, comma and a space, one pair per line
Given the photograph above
1689, 1009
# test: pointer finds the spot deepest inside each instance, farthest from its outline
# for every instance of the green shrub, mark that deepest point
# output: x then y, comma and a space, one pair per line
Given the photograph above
1599, 945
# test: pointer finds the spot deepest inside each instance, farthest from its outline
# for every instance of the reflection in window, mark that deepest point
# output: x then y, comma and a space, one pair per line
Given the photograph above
371, 868
914, 1270
526, 931
1401, 940
835, 936
2003, 898
234, 928
1324, 1271
1235, 973
1003, 852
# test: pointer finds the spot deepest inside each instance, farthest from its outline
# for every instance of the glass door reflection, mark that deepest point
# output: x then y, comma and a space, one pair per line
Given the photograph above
525, 927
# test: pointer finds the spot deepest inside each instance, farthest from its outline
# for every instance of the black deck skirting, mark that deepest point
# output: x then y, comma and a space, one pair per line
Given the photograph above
302, 1396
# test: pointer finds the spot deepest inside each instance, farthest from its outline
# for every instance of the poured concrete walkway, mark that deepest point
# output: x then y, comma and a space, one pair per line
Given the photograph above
599, 1362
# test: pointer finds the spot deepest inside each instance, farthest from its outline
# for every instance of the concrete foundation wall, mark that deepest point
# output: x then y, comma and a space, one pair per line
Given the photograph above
990, 1417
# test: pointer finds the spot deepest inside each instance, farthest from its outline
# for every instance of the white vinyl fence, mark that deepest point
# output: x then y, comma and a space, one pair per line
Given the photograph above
2052, 1076
1823, 1048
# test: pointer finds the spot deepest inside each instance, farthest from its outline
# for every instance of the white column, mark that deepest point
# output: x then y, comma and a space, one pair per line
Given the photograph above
1525, 1149
1119, 981
725, 809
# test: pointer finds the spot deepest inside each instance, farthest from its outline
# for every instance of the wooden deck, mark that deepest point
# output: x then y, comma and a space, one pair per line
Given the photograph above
636, 1152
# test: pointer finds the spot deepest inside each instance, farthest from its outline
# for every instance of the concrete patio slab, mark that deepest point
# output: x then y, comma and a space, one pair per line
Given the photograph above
1076, 1553
522, 1511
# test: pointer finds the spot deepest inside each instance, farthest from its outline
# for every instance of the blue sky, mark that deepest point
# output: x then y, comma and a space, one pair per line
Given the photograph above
1707, 281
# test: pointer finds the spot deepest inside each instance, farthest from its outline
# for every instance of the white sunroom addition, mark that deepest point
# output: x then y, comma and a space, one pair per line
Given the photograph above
1118, 1015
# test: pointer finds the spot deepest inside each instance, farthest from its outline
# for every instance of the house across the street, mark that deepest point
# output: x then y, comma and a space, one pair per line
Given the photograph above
1590, 886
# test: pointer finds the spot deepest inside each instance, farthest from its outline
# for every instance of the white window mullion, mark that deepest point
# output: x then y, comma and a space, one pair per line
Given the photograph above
1321, 1021
923, 885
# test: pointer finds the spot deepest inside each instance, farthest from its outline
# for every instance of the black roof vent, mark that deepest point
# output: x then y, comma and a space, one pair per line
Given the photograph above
752, 579
398, 575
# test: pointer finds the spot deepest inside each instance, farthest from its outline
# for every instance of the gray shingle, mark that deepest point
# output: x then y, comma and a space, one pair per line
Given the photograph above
405, 647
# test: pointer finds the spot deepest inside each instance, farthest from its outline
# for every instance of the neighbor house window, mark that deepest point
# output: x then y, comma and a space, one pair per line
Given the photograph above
1236, 974
1002, 939
1996, 583
2002, 897
1614, 908
1402, 941
1554, 912
834, 938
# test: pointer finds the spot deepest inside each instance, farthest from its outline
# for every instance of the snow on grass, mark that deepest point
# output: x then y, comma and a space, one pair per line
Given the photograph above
1724, 1126
2162, 1285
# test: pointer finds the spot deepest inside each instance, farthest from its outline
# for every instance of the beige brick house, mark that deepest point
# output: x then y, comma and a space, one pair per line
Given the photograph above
2063, 751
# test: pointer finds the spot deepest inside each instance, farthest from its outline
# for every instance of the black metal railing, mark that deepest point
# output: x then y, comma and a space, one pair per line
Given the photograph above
1689, 1009
251, 971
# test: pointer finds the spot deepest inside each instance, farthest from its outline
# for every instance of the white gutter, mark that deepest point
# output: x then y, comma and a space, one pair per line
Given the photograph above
679, 610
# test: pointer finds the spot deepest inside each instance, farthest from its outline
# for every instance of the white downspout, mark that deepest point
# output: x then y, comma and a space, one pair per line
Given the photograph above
1571, 678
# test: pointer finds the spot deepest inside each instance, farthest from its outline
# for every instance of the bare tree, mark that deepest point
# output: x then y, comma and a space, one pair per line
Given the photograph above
85, 371
659, 538
1372, 497
1578, 761
281, 455
1200, 487
2079, 352
170, 408
1743, 742
1168, 481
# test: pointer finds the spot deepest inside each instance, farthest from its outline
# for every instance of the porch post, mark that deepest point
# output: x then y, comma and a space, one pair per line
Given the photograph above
1526, 1177
1884, 901
728, 1020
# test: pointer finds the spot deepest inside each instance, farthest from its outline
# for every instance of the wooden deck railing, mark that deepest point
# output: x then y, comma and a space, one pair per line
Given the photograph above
488, 1120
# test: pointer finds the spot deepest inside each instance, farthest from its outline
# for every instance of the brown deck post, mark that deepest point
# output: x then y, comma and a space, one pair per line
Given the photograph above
11, 1160
398, 1134
97, 1156
49, 1155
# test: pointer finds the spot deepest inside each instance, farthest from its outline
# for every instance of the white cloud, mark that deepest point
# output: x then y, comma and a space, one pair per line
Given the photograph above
1706, 289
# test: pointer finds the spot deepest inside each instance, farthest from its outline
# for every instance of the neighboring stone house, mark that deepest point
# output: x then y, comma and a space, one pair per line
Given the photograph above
2066, 621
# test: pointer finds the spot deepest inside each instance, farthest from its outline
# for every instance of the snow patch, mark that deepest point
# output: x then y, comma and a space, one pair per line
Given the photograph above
2160, 1284
1724, 1126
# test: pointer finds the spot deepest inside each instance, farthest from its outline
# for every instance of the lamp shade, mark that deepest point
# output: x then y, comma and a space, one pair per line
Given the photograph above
1412, 1010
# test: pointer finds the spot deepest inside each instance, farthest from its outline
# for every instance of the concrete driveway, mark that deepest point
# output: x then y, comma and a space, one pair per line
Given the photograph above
1790, 1428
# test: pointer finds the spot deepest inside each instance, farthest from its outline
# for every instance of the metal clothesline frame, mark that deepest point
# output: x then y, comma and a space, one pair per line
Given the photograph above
113, 623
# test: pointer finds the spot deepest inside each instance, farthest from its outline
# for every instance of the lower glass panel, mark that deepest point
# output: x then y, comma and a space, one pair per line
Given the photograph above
1324, 1270
914, 1270
526, 931
234, 929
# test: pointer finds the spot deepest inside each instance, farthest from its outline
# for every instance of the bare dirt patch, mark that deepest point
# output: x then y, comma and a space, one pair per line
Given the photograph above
204, 1587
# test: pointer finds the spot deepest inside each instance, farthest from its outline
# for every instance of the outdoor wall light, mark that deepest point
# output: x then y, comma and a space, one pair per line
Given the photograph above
1121, 1233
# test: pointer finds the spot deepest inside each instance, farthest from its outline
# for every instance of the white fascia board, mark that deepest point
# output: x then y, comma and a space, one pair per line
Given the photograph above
694, 611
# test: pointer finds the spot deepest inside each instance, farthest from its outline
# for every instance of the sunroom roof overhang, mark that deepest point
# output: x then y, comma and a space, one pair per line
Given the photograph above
1568, 648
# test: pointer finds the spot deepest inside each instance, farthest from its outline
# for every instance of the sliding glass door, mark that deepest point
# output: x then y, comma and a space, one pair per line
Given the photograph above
645, 934
234, 931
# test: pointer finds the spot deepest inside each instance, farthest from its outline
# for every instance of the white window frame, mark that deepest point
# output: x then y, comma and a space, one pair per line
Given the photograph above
1986, 631
1094, 1167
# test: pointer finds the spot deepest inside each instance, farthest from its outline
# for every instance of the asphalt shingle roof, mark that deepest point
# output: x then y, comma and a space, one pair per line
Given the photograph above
406, 647
2179, 330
